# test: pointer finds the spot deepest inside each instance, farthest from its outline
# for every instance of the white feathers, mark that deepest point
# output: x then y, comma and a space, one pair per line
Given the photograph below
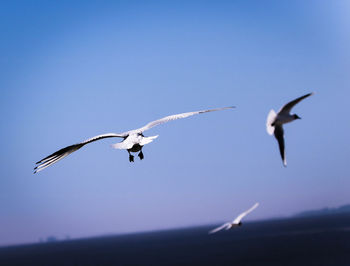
146, 140
122, 145
235, 222
108, 135
270, 119
174, 117
240, 217
130, 141
225, 226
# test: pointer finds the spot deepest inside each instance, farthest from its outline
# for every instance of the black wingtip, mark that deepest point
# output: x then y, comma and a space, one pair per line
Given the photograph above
309, 94
229, 107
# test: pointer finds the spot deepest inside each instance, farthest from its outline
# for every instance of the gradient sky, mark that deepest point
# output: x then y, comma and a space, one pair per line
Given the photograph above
71, 70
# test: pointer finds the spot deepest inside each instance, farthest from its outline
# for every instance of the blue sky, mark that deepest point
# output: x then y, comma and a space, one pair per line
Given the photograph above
73, 70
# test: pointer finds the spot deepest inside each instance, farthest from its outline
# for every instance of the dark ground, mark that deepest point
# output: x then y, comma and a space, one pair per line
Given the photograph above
321, 240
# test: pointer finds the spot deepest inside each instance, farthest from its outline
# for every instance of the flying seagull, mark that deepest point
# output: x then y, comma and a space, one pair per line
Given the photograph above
133, 141
235, 223
274, 123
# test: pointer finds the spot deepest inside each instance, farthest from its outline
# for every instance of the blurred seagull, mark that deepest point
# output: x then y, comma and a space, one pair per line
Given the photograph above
133, 141
275, 121
236, 222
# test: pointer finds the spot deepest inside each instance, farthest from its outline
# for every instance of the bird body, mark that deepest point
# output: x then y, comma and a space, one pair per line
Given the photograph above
133, 140
236, 222
275, 122
283, 118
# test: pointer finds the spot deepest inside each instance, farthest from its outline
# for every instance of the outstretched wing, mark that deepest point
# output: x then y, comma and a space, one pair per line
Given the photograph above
288, 107
279, 135
174, 117
217, 229
59, 155
239, 217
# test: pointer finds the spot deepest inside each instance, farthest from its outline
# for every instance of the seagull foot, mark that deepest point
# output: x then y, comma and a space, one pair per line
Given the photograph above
141, 155
131, 158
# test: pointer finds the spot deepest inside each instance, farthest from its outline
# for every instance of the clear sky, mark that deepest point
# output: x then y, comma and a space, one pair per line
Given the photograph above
71, 70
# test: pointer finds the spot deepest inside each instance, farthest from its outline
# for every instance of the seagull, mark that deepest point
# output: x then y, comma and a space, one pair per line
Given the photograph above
236, 222
133, 140
274, 123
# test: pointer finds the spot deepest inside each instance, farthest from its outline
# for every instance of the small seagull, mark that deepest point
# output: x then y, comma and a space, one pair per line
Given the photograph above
235, 223
133, 141
274, 123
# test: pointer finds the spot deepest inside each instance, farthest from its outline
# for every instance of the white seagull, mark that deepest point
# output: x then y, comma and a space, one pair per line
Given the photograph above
133, 141
236, 222
274, 123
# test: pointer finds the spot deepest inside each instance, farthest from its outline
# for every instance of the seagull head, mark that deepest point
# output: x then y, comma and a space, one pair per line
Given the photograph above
296, 116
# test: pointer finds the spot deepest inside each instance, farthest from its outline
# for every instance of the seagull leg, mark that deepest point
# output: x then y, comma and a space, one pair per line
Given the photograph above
140, 155
131, 157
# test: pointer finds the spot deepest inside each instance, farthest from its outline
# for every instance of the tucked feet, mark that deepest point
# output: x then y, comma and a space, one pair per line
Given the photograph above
140, 155
131, 158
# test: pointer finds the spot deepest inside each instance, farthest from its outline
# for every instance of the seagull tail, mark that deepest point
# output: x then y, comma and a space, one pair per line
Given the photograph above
270, 119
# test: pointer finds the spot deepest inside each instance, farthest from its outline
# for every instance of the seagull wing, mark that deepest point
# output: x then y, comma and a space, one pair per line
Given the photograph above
239, 217
173, 117
217, 229
279, 135
59, 155
288, 107
270, 119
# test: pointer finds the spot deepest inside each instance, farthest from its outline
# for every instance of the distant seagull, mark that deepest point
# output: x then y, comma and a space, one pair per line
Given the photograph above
133, 141
235, 223
275, 121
